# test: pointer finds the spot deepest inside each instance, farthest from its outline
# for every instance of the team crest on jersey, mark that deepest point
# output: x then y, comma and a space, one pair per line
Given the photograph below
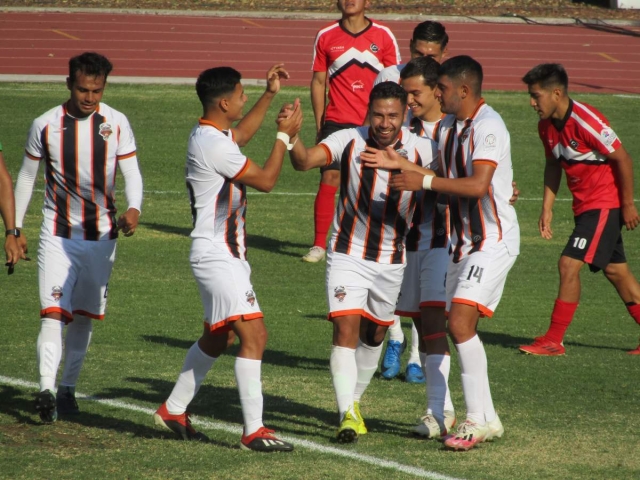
608, 136
251, 297
440, 232
340, 292
573, 144
490, 140
357, 85
403, 153
56, 293
105, 131
374, 48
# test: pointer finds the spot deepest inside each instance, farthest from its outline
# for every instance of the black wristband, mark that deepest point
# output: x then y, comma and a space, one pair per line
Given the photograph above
13, 231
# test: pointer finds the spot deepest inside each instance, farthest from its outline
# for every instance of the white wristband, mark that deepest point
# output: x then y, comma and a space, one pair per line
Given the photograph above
426, 182
285, 138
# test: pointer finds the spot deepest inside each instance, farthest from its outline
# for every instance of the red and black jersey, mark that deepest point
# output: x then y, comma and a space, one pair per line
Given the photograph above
581, 143
352, 62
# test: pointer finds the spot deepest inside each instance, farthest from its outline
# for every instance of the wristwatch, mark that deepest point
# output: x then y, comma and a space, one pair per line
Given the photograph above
13, 231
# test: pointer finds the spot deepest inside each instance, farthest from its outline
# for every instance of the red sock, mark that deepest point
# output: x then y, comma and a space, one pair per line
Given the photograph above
323, 210
560, 320
634, 311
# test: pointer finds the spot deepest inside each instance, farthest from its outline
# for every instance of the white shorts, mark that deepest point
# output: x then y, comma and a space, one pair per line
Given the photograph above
423, 284
73, 276
225, 286
478, 280
362, 287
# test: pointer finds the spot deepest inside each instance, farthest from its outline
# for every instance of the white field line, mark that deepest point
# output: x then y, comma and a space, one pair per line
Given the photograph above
235, 429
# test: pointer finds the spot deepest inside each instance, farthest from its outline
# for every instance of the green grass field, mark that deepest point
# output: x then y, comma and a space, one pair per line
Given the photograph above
576, 416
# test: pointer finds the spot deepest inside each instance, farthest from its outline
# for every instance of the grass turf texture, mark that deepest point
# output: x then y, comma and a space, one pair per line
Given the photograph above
567, 417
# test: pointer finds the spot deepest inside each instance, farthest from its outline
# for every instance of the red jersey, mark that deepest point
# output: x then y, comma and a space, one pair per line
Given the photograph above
352, 62
581, 143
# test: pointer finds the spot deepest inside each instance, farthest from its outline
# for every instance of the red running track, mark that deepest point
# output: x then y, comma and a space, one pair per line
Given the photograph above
183, 46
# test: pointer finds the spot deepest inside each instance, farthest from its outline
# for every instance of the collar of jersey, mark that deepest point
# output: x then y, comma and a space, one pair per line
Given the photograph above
66, 112
202, 121
559, 124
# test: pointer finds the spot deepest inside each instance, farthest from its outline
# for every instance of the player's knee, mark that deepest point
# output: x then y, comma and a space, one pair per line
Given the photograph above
374, 334
569, 268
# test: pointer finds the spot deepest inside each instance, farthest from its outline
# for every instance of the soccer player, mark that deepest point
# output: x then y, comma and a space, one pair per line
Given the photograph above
429, 40
348, 54
217, 175
366, 253
12, 249
578, 139
475, 161
81, 143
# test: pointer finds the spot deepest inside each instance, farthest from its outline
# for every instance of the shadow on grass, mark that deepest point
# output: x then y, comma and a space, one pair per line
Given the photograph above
271, 357
510, 341
259, 242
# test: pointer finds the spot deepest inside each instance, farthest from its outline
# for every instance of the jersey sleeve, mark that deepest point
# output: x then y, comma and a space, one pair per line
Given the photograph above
34, 148
542, 133
490, 138
392, 51
229, 160
601, 138
126, 140
319, 55
336, 143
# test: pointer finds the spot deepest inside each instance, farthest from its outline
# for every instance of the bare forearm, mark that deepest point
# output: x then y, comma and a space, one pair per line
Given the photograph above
623, 174
462, 187
273, 166
251, 122
318, 102
552, 177
7, 204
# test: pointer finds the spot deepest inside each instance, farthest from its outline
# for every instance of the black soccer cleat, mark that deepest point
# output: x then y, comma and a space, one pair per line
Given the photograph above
264, 440
45, 405
66, 402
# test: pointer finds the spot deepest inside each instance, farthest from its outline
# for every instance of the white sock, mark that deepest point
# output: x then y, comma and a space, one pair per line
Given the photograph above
438, 368
367, 359
395, 330
473, 366
414, 354
49, 352
195, 368
76, 344
344, 373
250, 390
489, 410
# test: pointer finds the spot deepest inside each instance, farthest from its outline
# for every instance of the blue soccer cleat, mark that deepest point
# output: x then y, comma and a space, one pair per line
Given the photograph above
391, 360
414, 374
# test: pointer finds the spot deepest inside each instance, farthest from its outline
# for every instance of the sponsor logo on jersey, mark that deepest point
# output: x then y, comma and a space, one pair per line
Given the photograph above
337, 48
374, 48
573, 144
56, 293
251, 297
357, 85
608, 136
403, 153
340, 292
490, 140
105, 131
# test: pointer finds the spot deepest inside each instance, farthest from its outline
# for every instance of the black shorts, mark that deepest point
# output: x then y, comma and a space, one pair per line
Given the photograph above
597, 239
327, 129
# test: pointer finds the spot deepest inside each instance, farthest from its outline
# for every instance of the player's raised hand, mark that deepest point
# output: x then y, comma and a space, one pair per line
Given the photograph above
128, 222
630, 216
292, 124
387, 159
285, 112
544, 224
274, 75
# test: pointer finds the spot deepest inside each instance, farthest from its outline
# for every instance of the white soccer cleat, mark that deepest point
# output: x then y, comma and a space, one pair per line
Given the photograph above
496, 430
315, 255
429, 427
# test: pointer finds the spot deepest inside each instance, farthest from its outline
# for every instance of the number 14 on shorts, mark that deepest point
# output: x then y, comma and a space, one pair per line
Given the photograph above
475, 273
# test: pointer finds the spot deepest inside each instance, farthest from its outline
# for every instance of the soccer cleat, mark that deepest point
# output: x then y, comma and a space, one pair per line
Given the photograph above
66, 402
264, 440
469, 434
391, 361
45, 405
429, 427
542, 346
414, 373
178, 424
362, 428
315, 255
634, 352
348, 431
496, 430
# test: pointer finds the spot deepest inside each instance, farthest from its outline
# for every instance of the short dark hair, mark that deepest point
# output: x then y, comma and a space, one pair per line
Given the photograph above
464, 68
430, 31
386, 90
426, 67
90, 64
216, 82
547, 75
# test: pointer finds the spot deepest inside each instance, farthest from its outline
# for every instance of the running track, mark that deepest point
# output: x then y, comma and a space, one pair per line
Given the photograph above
181, 46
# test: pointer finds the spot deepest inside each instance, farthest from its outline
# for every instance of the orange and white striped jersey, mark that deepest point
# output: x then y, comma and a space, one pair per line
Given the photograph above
81, 155
372, 220
482, 139
430, 227
218, 202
